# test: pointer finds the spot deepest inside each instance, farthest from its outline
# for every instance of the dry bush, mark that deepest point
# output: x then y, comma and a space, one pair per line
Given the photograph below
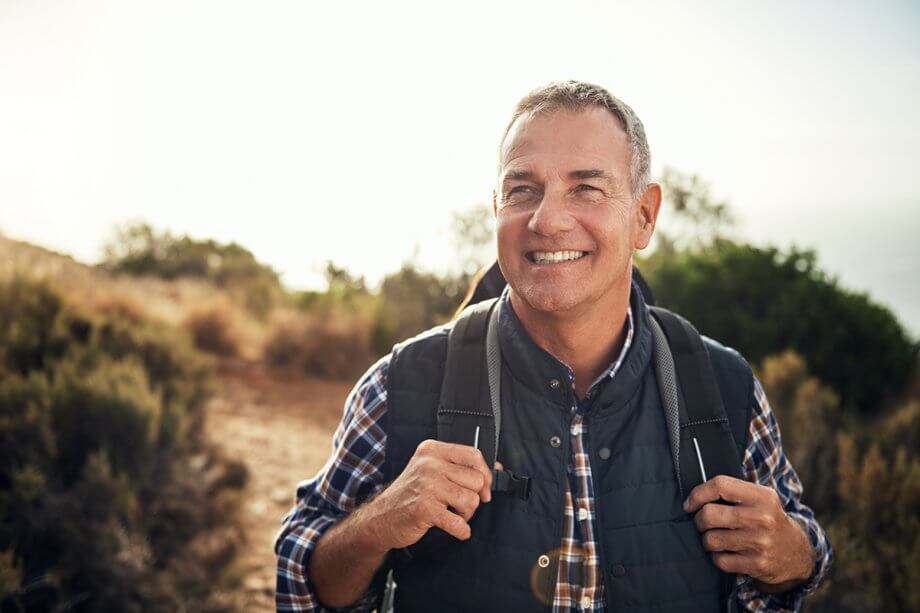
215, 330
329, 348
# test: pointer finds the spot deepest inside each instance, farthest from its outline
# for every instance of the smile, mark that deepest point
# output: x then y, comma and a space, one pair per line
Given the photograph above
553, 257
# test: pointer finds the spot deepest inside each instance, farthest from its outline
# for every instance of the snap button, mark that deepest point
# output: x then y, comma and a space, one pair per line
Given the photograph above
543, 561
582, 514
555, 441
618, 570
604, 453
586, 602
554, 384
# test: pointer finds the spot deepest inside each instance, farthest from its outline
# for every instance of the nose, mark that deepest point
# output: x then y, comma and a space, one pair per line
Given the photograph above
552, 216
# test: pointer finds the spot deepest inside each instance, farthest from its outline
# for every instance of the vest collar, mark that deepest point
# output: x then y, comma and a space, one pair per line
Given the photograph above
536, 368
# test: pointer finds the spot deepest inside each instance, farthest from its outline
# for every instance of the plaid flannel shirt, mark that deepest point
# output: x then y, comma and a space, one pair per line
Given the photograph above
354, 472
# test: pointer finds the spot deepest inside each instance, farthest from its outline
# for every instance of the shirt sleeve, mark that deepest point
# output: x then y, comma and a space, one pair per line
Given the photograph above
765, 463
353, 473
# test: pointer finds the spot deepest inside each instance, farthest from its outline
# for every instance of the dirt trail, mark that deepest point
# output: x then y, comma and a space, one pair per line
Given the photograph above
281, 428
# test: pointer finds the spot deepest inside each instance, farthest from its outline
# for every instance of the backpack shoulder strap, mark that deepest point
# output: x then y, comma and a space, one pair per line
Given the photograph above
702, 443
466, 411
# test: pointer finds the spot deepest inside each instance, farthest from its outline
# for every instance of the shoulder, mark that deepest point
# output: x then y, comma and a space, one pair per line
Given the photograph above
727, 359
735, 379
420, 358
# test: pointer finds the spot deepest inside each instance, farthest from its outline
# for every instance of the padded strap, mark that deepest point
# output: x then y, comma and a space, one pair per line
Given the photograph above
465, 411
707, 447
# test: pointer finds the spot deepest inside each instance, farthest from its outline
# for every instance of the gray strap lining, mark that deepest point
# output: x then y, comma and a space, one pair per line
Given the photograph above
494, 365
667, 388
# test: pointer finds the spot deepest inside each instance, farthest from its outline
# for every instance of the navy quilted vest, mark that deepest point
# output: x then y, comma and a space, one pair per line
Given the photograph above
652, 556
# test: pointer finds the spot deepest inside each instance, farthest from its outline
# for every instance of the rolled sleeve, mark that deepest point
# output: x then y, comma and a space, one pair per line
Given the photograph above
765, 463
353, 473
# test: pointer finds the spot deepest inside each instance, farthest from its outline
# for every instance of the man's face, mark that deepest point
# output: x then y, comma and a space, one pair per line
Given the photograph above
565, 217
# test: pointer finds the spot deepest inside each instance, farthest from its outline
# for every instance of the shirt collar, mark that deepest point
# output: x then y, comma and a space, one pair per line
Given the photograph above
612, 369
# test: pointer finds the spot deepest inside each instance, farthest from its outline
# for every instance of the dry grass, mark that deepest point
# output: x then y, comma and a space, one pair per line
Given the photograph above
214, 330
333, 348
177, 302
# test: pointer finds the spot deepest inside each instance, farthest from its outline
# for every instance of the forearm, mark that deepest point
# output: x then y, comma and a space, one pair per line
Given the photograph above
346, 559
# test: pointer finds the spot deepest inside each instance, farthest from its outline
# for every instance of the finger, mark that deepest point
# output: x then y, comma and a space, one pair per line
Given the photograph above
714, 515
452, 524
466, 455
465, 477
464, 501
727, 488
740, 563
723, 540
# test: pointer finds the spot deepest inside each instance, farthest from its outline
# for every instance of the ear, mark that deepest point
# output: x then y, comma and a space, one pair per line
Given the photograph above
494, 203
646, 215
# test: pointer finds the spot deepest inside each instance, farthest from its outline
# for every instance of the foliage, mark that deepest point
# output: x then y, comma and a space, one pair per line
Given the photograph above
412, 300
473, 238
320, 347
101, 504
139, 250
861, 476
763, 301
690, 217
213, 330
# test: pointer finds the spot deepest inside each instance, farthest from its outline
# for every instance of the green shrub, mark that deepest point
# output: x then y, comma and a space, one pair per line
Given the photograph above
101, 505
762, 302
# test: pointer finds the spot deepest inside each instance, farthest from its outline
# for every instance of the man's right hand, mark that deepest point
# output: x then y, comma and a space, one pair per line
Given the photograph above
441, 486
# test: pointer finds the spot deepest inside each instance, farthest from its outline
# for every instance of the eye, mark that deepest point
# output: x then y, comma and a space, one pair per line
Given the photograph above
519, 189
585, 187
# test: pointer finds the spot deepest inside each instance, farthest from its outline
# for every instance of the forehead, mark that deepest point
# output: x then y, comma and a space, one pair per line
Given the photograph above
564, 140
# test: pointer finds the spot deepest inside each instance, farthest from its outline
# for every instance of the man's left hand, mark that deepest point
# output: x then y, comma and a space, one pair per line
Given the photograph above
754, 536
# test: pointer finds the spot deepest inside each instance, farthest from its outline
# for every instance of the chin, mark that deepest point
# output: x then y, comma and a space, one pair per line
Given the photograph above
549, 300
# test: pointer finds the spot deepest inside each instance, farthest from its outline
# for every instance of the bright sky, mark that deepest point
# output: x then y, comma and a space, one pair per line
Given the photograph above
350, 131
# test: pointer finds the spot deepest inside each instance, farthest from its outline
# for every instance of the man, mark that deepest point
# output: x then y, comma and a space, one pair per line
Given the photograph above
604, 527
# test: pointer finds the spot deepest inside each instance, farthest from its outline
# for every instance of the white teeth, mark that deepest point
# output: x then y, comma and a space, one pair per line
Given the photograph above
541, 257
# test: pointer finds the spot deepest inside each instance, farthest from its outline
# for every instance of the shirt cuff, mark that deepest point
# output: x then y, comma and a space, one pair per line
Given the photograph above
294, 592
753, 599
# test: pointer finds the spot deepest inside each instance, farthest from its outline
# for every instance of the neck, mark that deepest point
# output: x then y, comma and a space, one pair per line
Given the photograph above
587, 340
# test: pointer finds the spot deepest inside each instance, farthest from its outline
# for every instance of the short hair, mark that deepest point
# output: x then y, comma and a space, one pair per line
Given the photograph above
577, 96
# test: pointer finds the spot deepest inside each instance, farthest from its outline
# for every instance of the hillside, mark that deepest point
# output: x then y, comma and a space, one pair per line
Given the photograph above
279, 426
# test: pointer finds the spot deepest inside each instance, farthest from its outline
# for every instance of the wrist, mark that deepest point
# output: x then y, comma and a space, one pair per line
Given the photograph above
801, 569
807, 566
369, 529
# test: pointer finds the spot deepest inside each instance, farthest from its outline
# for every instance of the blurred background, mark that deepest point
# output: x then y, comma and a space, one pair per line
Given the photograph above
215, 215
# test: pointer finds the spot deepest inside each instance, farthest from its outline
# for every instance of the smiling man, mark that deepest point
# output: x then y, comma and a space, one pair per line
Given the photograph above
603, 525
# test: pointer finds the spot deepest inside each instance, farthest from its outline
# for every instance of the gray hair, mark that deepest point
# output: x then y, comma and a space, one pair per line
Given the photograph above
577, 96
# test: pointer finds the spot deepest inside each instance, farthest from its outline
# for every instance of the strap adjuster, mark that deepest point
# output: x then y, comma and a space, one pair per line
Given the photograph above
507, 481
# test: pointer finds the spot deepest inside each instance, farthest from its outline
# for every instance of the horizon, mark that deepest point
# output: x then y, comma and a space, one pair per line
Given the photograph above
297, 131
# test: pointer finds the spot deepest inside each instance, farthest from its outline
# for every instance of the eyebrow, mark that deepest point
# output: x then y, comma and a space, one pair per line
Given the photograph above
594, 173
518, 175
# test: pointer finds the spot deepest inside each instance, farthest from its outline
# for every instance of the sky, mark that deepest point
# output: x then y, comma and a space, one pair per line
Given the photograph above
351, 131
